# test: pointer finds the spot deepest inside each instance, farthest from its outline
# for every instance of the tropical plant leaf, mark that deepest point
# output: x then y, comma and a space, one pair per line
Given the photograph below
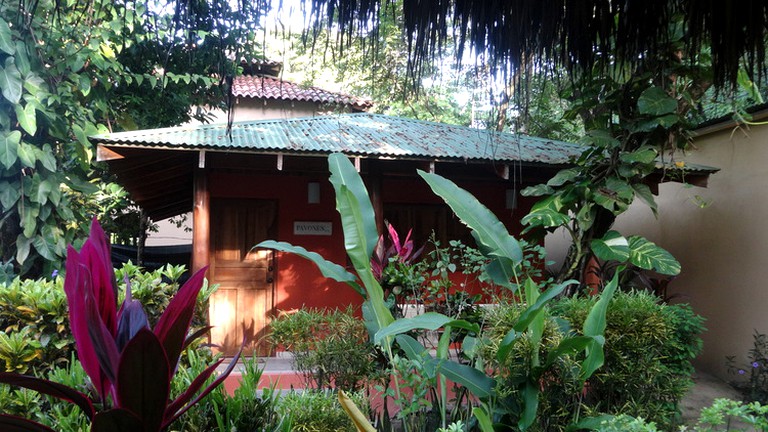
26, 117
612, 247
643, 192
594, 327
45, 247
360, 236
563, 177
116, 420
645, 254
530, 403
6, 41
537, 308
9, 423
10, 81
476, 381
427, 321
656, 102
412, 348
547, 213
327, 268
172, 327
567, 346
50, 388
144, 379
358, 418
643, 155
600, 138
483, 419
9, 148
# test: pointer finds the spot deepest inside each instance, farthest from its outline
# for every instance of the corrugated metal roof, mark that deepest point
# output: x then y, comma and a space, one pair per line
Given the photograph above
274, 88
354, 134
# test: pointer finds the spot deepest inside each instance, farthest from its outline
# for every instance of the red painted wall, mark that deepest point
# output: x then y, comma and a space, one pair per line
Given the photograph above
299, 283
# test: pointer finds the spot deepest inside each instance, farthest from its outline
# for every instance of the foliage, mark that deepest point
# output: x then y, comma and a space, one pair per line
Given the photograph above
69, 70
330, 348
318, 410
503, 254
129, 366
247, 409
752, 377
634, 122
34, 329
648, 353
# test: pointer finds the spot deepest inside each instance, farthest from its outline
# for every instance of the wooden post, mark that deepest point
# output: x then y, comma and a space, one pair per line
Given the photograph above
201, 227
374, 189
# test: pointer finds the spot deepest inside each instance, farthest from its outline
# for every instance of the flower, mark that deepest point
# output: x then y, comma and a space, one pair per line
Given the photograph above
755, 364
741, 372
54, 274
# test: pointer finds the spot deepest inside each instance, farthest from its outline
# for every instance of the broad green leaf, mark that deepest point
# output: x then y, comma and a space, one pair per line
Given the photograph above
9, 194
412, 348
6, 41
612, 247
594, 327
530, 405
477, 382
26, 154
26, 118
21, 56
506, 345
46, 157
358, 222
45, 247
483, 419
537, 305
23, 246
643, 192
84, 82
645, 254
10, 81
41, 189
426, 321
600, 138
80, 185
538, 190
614, 195
328, 269
547, 213
9, 148
564, 176
29, 219
590, 423
488, 228
568, 346
642, 155
34, 85
656, 102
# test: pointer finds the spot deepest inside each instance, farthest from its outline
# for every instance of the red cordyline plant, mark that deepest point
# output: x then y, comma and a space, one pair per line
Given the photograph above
130, 365
404, 251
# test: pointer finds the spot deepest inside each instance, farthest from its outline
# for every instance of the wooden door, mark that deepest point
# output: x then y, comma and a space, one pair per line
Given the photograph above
242, 305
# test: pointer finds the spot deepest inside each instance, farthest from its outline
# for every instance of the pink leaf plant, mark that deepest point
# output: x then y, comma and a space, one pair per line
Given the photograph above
130, 365
402, 252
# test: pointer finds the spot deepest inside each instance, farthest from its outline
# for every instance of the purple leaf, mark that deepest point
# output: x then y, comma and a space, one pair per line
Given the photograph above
96, 256
76, 284
118, 420
49, 388
130, 319
143, 379
193, 388
9, 423
205, 392
194, 336
173, 325
103, 341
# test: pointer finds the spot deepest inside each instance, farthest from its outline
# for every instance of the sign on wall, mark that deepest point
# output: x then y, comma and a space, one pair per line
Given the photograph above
312, 228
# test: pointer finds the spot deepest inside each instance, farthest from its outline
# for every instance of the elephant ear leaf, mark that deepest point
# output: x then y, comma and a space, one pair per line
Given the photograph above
647, 255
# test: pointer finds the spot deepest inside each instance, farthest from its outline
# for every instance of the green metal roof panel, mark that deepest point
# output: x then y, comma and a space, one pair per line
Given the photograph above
354, 134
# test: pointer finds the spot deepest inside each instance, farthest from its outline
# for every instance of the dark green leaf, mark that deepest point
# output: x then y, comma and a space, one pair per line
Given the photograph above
26, 154
530, 405
534, 310
9, 194
45, 247
477, 382
23, 246
594, 326
6, 41
612, 247
10, 81
656, 102
538, 190
427, 321
643, 155
9, 148
645, 254
412, 348
643, 192
601, 138
564, 176
26, 117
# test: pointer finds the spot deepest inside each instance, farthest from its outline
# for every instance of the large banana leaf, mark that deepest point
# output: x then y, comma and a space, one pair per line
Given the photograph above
594, 327
327, 268
491, 235
360, 236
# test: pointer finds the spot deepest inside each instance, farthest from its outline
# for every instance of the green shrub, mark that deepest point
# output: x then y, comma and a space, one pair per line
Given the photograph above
648, 353
319, 410
330, 348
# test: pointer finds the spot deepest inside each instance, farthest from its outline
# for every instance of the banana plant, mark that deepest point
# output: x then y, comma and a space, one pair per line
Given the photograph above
504, 254
130, 366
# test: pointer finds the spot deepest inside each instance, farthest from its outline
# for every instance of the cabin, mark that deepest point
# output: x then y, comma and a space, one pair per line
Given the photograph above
268, 179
